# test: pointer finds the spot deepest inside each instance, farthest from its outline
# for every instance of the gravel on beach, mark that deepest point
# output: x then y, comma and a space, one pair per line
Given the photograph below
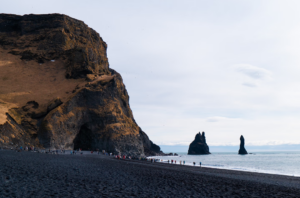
31, 174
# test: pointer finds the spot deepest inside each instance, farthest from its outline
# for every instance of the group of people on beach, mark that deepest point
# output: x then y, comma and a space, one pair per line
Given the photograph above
73, 152
27, 148
172, 161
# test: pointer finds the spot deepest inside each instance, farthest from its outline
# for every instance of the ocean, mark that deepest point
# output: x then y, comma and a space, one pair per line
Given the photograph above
281, 163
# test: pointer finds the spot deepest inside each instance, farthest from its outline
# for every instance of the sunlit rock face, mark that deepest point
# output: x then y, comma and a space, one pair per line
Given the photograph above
58, 91
53, 36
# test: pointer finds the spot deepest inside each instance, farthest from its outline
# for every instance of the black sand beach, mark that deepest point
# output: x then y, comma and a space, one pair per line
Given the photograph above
30, 174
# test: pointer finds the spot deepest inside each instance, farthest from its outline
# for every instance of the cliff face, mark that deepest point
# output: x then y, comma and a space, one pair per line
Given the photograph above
57, 90
50, 37
242, 150
199, 146
150, 149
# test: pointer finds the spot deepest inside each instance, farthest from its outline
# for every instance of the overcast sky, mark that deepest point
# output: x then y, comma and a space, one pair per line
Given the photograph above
228, 68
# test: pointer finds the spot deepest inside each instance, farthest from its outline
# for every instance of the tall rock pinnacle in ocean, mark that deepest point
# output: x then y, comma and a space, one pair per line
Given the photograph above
57, 89
199, 146
242, 150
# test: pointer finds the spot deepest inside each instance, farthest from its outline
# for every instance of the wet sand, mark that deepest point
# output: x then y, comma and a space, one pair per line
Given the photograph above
31, 174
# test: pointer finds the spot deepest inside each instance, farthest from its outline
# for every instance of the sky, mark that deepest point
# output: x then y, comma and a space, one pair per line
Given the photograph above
228, 68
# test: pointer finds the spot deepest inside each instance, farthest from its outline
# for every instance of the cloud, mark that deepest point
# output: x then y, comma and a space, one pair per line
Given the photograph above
248, 84
219, 118
254, 72
213, 119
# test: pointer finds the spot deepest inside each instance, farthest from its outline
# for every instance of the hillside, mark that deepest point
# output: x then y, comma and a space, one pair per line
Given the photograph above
57, 90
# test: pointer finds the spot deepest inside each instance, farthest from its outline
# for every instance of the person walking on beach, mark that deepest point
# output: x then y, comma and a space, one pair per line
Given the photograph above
183, 162
194, 163
200, 164
172, 161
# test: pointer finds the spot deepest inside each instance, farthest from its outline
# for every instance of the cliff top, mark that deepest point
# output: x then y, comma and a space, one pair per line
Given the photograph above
45, 57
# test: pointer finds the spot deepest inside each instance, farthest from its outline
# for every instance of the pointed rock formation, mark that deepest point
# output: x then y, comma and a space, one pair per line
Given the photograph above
242, 150
199, 146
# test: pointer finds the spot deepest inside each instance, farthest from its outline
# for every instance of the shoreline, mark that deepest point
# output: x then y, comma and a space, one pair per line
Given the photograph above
244, 175
236, 169
32, 174
255, 167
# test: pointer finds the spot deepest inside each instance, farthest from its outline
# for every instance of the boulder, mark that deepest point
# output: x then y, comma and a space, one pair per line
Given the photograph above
242, 150
199, 146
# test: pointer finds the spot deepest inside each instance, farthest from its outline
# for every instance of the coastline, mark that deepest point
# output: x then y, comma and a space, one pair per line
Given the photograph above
238, 169
283, 163
30, 174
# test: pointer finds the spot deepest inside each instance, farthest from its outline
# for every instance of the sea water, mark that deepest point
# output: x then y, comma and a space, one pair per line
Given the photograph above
282, 163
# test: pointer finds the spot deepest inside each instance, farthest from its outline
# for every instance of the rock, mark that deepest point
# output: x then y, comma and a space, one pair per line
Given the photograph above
30, 105
55, 36
90, 77
39, 113
199, 146
95, 116
150, 148
242, 150
53, 104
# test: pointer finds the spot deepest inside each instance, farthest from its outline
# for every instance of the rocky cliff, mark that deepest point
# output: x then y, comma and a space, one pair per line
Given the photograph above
242, 150
199, 146
51, 37
57, 90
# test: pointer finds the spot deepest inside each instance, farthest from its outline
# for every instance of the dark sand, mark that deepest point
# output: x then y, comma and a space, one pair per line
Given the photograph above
30, 174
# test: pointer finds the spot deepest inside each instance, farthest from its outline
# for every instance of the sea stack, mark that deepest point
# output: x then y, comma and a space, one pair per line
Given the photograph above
199, 146
242, 150
59, 92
